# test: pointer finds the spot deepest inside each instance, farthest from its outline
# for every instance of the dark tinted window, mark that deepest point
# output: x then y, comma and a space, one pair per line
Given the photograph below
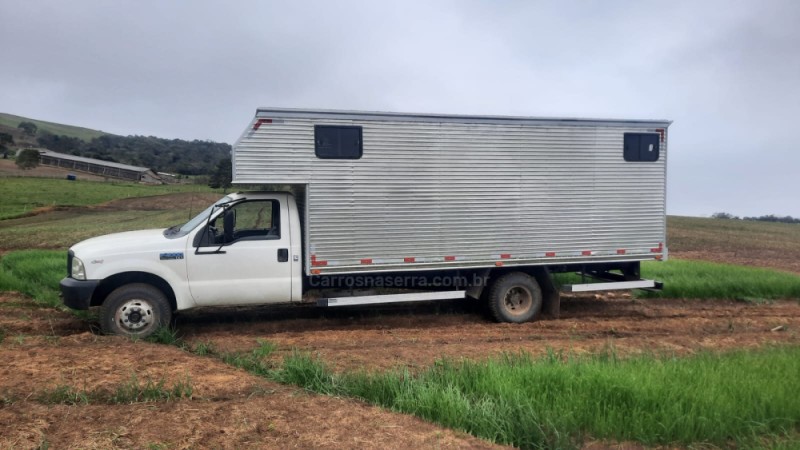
337, 142
641, 146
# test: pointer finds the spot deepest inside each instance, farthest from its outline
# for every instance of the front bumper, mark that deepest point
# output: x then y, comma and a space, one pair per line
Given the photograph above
77, 294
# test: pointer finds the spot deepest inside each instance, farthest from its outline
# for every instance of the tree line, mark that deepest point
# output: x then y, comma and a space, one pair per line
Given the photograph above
765, 218
162, 155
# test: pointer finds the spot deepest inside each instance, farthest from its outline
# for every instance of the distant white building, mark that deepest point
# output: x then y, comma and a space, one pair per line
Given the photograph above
99, 167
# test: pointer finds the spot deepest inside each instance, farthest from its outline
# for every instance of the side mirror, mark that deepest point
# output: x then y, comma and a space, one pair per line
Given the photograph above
229, 224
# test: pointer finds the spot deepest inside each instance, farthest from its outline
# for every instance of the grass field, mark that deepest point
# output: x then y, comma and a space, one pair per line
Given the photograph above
86, 134
742, 398
35, 273
700, 279
742, 242
62, 230
23, 195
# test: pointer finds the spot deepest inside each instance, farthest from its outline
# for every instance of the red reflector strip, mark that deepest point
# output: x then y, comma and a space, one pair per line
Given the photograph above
366, 261
449, 258
586, 253
409, 260
259, 122
658, 249
505, 256
661, 132
313, 258
550, 254
319, 263
621, 251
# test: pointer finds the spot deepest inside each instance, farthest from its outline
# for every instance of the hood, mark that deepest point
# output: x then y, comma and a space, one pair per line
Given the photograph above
127, 242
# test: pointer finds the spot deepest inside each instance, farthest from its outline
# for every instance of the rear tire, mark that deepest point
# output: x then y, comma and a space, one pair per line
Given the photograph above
515, 297
135, 310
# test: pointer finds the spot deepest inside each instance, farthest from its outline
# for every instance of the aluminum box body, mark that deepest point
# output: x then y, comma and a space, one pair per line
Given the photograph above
439, 191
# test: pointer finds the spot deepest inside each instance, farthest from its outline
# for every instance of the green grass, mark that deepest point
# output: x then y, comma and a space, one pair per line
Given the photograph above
86, 134
35, 273
741, 398
697, 279
702, 280
132, 391
62, 229
23, 195
254, 361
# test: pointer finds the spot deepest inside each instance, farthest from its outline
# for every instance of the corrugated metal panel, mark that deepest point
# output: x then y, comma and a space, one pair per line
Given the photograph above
449, 193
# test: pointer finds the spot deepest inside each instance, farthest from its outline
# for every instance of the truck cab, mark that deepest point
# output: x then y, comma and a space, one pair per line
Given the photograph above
244, 249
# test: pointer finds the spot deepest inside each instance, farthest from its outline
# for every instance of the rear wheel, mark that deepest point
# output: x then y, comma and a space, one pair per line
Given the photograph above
135, 310
515, 297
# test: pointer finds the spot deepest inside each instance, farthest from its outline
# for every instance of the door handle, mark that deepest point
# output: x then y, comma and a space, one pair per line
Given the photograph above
283, 254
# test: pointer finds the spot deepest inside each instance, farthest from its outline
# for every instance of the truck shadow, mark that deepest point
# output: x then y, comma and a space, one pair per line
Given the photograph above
285, 317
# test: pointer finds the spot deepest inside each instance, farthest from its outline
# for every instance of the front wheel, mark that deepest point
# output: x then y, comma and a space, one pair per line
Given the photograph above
135, 310
515, 297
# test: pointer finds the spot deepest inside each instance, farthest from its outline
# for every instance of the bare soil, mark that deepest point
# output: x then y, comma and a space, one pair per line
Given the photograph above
742, 242
43, 349
415, 337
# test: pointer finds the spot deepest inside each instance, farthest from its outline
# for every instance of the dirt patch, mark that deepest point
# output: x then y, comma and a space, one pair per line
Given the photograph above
177, 201
416, 337
229, 408
182, 200
769, 260
747, 243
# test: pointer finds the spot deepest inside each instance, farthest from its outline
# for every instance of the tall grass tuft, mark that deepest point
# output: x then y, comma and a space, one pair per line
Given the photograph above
135, 391
35, 273
132, 391
741, 397
256, 361
167, 336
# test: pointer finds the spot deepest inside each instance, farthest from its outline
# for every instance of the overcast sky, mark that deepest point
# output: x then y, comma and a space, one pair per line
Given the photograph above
726, 72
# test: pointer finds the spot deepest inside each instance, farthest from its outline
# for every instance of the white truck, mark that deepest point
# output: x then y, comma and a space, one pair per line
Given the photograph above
357, 208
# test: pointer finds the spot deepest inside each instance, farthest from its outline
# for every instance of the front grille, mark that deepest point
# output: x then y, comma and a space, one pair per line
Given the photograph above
70, 255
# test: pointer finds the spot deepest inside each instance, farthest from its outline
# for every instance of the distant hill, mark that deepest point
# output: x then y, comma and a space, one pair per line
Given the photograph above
59, 129
163, 155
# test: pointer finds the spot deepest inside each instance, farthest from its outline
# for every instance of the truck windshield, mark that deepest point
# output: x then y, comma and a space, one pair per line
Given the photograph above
182, 230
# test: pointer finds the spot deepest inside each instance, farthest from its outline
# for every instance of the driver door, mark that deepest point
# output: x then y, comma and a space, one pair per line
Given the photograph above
242, 256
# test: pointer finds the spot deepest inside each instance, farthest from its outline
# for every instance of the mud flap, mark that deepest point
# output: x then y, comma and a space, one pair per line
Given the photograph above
551, 296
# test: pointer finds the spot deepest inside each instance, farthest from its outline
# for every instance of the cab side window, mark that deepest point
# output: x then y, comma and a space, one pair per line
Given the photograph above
252, 220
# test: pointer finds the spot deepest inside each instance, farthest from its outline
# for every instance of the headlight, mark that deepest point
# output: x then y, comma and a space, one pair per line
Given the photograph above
78, 272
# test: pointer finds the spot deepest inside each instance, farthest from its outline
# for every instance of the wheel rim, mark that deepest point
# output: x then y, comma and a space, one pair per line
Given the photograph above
518, 300
135, 316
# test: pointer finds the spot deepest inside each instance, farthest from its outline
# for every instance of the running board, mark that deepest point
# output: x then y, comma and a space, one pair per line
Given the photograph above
391, 298
611, 286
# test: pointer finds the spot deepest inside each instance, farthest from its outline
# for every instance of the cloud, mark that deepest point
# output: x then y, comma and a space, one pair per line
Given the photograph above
724, 71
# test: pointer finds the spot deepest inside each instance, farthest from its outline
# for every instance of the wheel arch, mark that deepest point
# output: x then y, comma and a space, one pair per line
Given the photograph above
114, 281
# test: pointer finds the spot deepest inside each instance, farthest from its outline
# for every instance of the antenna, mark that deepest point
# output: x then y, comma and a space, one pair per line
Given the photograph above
191, 205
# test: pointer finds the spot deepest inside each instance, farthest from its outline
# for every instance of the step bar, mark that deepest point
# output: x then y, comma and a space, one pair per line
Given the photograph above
612, 285
391, 298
